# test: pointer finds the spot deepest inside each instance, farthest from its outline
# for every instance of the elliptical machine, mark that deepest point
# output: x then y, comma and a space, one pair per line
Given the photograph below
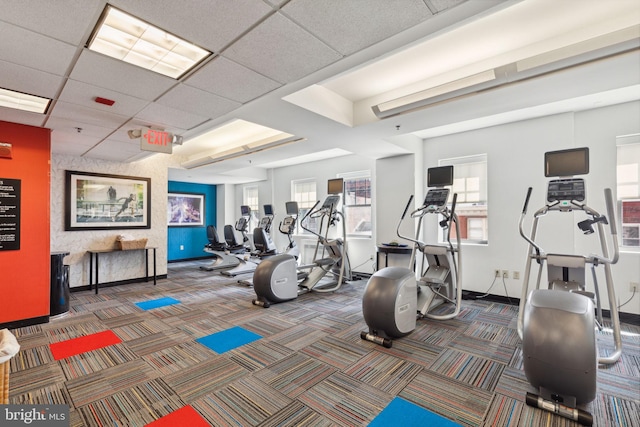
279, 279
393, 299
557, 324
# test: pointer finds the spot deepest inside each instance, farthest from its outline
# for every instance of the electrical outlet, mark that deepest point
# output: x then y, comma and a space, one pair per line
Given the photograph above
634, 287
505, 274
516, 275
371, 257
496, 273
182, 247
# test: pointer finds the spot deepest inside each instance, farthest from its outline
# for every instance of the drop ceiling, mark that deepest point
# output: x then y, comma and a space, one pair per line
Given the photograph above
307, 68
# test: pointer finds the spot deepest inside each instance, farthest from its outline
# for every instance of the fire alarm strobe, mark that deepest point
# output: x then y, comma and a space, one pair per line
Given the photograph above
105, 101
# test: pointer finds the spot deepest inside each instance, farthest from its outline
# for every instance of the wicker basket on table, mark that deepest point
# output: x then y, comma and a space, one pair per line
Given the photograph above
127, 245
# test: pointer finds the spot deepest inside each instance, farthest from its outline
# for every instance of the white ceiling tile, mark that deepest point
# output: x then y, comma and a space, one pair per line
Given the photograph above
68, 126
27, 80
19, 116
62, 147
91, 116
197, 101
84, 94
114, 149
349, 26
441, 5
298, 53
211, 24
67, 20
24, 47
73, 140
168, 116
102, 71
231, 80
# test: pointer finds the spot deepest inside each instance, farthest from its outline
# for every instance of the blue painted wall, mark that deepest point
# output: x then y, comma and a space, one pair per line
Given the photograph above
192, 239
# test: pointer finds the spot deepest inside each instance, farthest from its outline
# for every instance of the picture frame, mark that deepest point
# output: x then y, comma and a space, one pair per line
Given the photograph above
185, 210
96, 201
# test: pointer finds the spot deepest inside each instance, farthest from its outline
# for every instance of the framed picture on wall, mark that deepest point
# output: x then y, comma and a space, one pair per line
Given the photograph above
95, 201
185, 210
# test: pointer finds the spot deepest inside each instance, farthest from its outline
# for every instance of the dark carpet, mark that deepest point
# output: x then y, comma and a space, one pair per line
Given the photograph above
309, 367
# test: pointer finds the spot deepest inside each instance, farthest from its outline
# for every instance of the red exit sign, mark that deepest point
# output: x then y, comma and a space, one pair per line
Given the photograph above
156, 140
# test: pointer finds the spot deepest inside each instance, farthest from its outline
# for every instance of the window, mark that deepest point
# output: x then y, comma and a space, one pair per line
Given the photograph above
357, 203
304, 192
470, 183
250, 198
628, 188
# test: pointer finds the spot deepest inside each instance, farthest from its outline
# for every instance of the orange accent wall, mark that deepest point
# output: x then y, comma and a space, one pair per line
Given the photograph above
24, 273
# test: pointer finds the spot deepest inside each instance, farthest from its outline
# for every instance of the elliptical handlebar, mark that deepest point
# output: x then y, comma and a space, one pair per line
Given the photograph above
406, 208
404, 214
308, 214
526, 201
522, 215
452, 219
608, 197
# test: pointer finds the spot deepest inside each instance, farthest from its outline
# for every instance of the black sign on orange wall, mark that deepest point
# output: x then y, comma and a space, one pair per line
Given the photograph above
9, 214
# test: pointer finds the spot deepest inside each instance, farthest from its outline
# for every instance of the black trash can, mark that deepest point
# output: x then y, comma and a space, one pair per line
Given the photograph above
59, 302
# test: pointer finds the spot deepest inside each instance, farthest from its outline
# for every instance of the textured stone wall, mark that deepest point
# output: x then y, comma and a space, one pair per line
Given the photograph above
117, 266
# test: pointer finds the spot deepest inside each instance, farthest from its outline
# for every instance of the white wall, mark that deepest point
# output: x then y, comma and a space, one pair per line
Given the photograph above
515, 161
118, 266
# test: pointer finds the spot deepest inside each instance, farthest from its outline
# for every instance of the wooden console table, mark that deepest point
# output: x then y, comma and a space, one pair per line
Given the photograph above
95, 254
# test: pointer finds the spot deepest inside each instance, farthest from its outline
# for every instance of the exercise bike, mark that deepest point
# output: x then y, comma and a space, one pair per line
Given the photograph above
223, 258
262, 241
557, 324
279, 278
288, 227
393, 299
242, 250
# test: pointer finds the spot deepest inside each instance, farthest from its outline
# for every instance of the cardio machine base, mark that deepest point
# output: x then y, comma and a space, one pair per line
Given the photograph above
221, 261
559, 346
389, 305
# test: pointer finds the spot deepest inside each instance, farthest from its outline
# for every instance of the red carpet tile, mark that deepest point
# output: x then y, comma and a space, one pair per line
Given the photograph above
185, 416
68, 348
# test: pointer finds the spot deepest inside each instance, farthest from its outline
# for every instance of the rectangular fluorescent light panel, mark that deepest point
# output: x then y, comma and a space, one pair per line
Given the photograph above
23, 101
129, 39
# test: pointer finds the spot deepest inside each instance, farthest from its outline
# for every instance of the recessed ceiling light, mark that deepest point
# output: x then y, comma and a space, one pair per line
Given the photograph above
132, 40
234, 139
23, 101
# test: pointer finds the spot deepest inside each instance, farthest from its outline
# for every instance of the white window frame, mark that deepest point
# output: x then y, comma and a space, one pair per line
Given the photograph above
352, 176
628, 189
304, 203
251, 198
472, 196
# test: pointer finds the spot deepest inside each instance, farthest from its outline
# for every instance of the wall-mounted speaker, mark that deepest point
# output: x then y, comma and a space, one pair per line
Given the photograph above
6, 151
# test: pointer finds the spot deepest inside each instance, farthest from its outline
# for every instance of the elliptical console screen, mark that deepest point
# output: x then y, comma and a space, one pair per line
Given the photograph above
291, 208
331, 202
574, 161
436, 197
566, 190
440, 176
245, 210
268, 209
